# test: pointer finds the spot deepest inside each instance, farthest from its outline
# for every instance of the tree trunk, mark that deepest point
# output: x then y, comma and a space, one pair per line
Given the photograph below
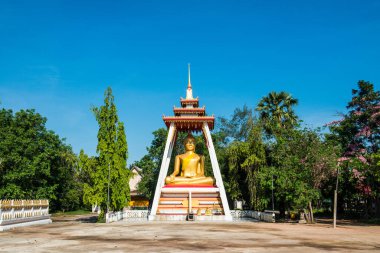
311, 213
307, 216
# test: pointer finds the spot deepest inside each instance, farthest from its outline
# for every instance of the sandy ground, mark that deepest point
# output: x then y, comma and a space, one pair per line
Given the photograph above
70, 235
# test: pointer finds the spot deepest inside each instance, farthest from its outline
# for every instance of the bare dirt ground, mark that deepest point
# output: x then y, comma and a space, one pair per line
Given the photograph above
77, 235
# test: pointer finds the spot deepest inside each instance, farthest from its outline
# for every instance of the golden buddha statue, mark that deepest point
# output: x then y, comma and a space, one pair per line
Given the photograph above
191, 166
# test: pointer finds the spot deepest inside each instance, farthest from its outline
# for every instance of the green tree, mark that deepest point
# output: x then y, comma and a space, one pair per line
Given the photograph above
246, 159
254, 164
120, 191
235, 182
241, 155
276, 110
35, 162
110, 167
87, 175
301, 161
238, 127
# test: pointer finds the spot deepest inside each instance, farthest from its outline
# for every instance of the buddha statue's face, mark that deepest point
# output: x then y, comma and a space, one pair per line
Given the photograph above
189, 143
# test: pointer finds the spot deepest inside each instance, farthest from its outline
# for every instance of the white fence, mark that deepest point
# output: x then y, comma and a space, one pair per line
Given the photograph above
128, 215
15, 213
262, 216
142, 215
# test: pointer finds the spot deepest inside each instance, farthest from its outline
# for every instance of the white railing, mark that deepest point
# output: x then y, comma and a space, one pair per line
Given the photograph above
114, 216
136, 214
127, 215
142, 215
262, 216
17, 212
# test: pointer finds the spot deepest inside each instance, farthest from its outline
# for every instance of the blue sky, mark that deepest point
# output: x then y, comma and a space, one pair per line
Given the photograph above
59, 56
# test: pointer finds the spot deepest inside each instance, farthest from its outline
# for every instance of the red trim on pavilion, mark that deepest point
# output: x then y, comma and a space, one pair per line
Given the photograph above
198, 111
194, 123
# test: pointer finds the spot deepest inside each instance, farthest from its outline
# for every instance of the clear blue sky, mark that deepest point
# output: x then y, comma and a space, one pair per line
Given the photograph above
59, 56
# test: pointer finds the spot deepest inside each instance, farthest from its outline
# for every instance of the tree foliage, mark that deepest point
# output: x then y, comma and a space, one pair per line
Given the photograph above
358, 134
238, 127
297, 161
35, 162
246, 159
303, 161
109, 169
276, 111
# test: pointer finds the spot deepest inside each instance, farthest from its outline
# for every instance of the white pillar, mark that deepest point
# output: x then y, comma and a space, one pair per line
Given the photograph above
216, 171
164, 169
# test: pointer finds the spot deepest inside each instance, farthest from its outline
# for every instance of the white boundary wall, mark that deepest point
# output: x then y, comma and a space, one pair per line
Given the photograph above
262, 216
142, 215
127, 215
18, 213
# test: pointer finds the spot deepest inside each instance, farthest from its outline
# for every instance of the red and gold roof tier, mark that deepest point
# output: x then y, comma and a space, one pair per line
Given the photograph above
183, 111
194, 123
194, 102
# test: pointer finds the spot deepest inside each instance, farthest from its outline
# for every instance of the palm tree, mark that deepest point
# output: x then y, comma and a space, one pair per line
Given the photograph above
277, 109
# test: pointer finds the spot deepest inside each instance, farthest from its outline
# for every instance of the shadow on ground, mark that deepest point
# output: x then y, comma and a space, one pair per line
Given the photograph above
87, 218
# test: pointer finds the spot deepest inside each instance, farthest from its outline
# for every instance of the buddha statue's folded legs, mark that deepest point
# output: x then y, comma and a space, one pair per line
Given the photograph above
186, 180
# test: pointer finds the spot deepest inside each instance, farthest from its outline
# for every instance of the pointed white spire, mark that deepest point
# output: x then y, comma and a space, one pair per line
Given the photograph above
189, 92
189, 84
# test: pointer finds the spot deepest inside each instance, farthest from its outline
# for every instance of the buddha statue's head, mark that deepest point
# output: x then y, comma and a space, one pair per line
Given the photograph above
189, 143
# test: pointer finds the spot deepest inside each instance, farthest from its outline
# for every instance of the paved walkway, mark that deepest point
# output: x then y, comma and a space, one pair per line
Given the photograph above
74, 236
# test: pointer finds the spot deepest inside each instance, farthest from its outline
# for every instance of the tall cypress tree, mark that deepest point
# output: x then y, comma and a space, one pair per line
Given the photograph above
111, 168
120, 175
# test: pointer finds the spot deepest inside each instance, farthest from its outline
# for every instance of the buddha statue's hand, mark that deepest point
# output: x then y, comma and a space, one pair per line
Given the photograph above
172, 178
